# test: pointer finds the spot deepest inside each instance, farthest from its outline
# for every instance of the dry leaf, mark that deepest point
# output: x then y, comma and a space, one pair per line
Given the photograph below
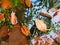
53, 11
6, 4
17, 38
55, 36
56, 18
28, 3
50, 13
43, 40
1, 16
0, 3
4, 43
21, 1
3, 31
40, 25
15, 27
25, 30
45, 14
13, 18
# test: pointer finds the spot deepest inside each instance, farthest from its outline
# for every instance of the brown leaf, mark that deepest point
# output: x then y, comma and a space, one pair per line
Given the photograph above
6, 4
17, 38
54, 11
1, 16
45, 14
3, 31
56, 18
4, 43
25, 30
21, 1
27, 2
43, 40
15, 27
40, 25
0, 3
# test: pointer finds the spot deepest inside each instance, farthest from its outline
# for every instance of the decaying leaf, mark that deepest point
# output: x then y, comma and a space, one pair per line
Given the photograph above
50, 13
43, 40
16, 37
1, 16
40, 25
55, 35
53, 11
25, 30
4, 43
45, 14
6, 4
15, 27
56, 15
28, 3
0, 3
21, 1
13, 18
3, 31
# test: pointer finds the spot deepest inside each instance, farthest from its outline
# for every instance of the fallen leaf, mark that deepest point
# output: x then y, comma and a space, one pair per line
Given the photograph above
0, 3
6, 4
28, 3
25, 30
44, 13
13, 18
55, 36
17, 38
3, 31
21, 1
53, 11
1, 16
56, 18
4, 43
40, 25
43, 40
15, 27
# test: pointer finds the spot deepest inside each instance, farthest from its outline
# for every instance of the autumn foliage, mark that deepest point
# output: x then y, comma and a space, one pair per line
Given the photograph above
16, 37
1, 16
25, 30
6, 4
3, 31
24, 22
40, 25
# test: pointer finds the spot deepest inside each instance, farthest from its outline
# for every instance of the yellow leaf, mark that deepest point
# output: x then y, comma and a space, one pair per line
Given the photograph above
40, 25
